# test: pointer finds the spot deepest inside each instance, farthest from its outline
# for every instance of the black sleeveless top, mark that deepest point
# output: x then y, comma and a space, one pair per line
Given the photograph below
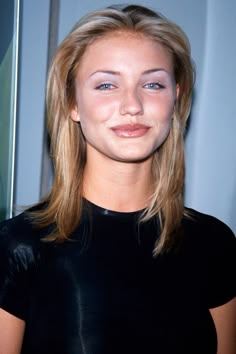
103, 292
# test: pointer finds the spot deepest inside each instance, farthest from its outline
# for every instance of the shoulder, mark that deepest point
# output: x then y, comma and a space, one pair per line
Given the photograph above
19, 259
18, 229
210, 246
207, 236
19, 240
204, 228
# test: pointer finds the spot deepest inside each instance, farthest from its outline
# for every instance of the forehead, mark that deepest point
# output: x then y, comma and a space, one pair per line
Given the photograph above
115, 38
129, 46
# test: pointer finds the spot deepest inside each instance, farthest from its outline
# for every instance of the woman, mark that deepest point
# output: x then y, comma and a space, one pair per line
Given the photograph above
111, 261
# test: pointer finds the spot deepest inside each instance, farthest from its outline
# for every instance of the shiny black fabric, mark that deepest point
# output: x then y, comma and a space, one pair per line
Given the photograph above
102, 292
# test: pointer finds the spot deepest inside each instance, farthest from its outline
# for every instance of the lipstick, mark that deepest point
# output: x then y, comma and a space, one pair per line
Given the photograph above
130, 130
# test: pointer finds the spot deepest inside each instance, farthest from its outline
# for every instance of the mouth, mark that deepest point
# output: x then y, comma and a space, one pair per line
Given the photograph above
130, 130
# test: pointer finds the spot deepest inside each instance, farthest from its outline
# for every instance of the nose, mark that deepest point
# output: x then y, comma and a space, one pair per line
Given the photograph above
131, 103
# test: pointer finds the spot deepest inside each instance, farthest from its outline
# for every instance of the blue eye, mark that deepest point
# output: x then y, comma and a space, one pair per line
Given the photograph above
154, 86
104, 86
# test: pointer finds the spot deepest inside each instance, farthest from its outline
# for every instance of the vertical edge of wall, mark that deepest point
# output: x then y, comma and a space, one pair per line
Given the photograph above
31, 98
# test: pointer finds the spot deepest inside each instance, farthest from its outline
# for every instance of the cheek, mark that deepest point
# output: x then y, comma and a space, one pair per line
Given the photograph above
91, 118
104, 108
164, 127
163, 103
168, 109
163, 113
163, 130
96, 111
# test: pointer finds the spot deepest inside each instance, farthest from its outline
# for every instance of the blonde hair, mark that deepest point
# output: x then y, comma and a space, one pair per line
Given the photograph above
68, 151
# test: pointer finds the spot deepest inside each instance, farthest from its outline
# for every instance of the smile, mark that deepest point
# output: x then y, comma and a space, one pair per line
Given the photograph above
130, 130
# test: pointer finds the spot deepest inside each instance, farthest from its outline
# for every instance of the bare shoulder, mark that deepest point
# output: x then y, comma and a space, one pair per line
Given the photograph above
11, 333
224, 318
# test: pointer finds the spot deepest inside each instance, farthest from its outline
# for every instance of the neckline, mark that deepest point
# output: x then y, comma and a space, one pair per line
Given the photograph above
97, 209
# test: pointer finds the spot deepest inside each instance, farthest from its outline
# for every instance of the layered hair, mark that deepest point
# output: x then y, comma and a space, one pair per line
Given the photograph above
68, 147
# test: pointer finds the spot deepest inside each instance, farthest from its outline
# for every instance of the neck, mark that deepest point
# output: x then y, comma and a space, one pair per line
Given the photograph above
117, 185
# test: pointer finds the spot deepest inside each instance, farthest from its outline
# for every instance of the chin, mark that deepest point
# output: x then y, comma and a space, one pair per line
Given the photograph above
134, 158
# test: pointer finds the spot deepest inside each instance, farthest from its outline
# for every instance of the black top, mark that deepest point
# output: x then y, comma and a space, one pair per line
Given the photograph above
103, 292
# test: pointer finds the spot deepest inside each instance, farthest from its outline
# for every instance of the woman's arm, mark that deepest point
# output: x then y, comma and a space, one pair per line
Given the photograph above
224, 318
11, 333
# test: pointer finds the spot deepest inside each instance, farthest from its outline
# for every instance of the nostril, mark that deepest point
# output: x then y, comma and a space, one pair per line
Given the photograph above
131, 104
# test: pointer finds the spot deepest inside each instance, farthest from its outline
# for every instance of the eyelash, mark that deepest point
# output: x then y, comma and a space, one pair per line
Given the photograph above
104, 86
156, 85
108, 86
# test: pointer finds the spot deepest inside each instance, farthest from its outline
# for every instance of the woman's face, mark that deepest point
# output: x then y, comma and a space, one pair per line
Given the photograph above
125, 94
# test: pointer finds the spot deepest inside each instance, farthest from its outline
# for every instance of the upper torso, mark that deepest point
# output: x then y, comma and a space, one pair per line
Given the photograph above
103, 291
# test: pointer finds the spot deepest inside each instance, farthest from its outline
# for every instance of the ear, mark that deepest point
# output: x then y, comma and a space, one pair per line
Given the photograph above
177, 89
74, 115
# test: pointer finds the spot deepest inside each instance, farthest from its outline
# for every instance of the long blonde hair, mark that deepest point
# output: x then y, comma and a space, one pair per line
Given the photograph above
68, 150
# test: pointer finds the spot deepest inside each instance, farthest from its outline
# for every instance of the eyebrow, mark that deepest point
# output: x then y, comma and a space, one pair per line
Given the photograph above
117, 73
111, 72
146, 72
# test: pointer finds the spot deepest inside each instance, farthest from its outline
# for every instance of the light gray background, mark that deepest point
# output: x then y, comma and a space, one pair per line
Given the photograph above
210, 144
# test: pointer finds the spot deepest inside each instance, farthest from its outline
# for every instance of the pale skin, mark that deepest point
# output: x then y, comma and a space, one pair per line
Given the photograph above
115, 92
224, 318
11, 333
114, 96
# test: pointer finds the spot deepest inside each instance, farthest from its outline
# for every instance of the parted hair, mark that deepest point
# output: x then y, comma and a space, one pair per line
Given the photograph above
63, 205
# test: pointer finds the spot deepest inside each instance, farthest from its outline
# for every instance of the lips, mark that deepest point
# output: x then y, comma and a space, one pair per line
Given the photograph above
130, 130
